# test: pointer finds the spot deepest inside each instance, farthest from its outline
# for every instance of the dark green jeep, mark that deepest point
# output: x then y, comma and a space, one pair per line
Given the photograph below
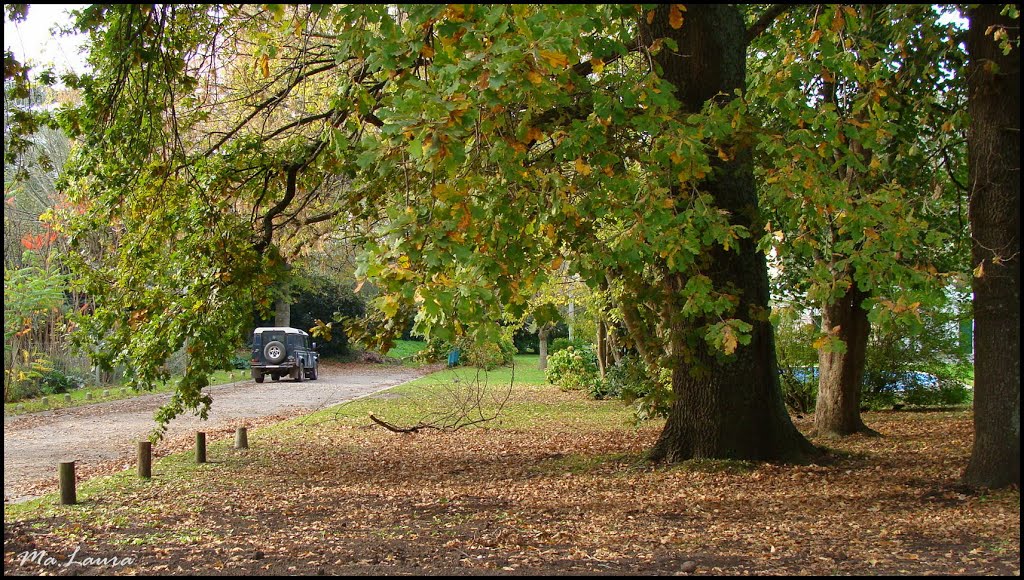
281, 351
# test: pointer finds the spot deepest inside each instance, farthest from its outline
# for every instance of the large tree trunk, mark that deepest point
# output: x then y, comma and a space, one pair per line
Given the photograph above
723, 408
837, 412
993, 145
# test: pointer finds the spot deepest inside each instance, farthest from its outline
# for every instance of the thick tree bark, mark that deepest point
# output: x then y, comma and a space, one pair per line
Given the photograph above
993, 145
729, 409
837, 412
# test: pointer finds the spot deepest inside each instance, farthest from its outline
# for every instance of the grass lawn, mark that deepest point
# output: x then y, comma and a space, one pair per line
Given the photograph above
557, 484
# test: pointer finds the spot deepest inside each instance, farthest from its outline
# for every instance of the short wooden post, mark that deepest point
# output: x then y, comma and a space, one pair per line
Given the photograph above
145, 459
200, 447
66, 472
241, 438
67, 397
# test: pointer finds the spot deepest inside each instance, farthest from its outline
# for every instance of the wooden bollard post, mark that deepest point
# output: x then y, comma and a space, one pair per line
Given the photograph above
241, 438
66, 473
67, 397
200, 447
145, 459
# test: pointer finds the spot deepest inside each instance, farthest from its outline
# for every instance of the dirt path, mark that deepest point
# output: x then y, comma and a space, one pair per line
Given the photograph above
102, 438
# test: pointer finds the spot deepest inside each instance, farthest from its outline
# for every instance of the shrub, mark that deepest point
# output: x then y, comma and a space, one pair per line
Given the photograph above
560, 344
239, 361
799, 388
649, 393
794, 336
55, 382
488, 356
922, 368
327, 299
573, 369
527, 341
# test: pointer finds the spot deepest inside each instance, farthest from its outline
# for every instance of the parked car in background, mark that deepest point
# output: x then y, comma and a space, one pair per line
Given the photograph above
281, 351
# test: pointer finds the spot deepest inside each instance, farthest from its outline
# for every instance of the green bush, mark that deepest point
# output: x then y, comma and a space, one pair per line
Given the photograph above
527, 341
898, 357
573, 369
239, 362
55, 382
487, 356
799, 388
944, 395
650, 394
325, 298
626, 379
794, 336
560, 344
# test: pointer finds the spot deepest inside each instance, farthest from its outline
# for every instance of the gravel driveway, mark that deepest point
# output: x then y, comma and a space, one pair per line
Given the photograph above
102, 438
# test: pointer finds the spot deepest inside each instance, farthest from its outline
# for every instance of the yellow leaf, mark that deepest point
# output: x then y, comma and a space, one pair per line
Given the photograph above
549, 231
265, 66
456, 12
582, 168
722, 154
815, 37
675, 16
597, 64
555, 58
427, 51
650, 17
534, 77
980, 270
534, 134
556, 263
875, 163
728, 340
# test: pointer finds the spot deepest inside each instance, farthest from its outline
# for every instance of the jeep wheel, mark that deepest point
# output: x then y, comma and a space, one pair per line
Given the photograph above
301, 374
313, 371
257, 376
274, 352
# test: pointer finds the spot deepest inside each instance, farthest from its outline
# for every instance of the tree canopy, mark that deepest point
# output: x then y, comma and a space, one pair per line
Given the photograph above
473, 152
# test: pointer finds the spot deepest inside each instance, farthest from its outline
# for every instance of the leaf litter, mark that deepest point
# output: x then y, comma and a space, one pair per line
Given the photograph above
349, 497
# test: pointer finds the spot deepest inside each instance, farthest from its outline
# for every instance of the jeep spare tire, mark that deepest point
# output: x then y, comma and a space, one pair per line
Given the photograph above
274, 352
